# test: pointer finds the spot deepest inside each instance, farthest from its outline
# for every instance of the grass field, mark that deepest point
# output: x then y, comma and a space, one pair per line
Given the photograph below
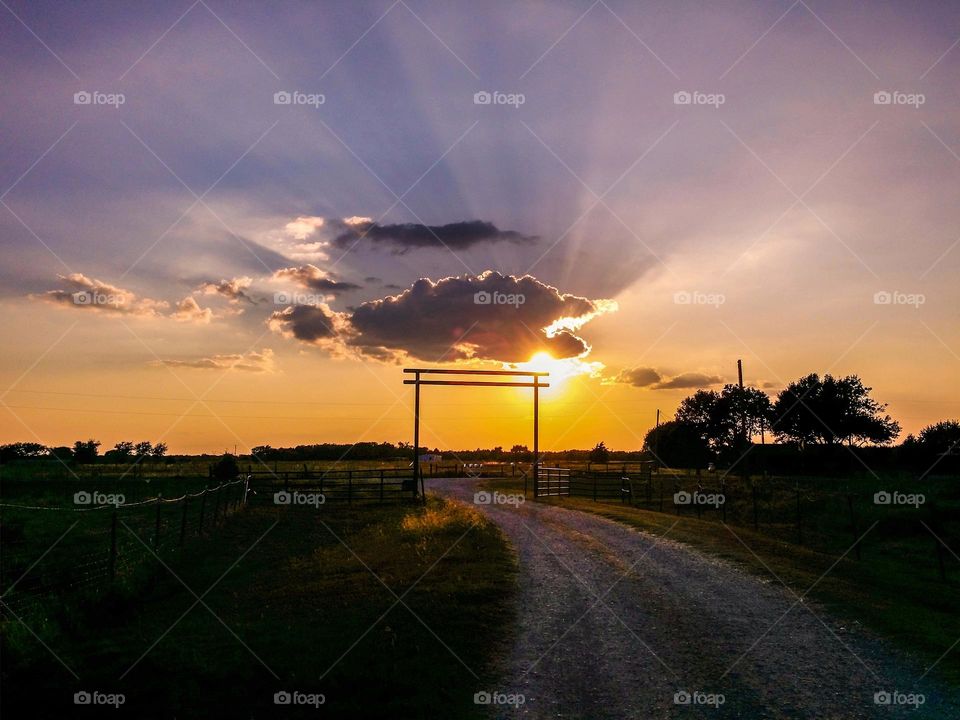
299, 600
894, 590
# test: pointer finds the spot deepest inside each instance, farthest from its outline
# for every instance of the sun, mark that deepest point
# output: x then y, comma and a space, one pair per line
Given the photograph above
560, 369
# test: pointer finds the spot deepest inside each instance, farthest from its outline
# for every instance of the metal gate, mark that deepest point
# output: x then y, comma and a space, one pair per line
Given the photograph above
552, 481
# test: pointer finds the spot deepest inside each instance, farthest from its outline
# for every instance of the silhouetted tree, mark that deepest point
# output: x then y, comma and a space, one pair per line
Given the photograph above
831, 410
678, 444
600, 453
159, 450
940, 438
226, 468
86, 451
21, 451
143, 449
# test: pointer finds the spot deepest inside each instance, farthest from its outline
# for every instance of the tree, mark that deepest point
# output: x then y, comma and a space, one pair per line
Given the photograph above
830, 411
143, 449
159, 450
226, 468
678, 444
600, 453
940, 438
121, 451
726, 420
86, 451
63, 454
21, 451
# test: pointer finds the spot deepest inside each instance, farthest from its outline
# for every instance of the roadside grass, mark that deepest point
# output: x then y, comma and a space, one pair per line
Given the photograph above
298, 610
888, 592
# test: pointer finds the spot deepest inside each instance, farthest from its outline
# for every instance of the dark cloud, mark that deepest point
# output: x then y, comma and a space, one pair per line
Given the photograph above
648, 377
485, 317
638, 377
312, 277
689, 380
85, 293
456, 236
309, 323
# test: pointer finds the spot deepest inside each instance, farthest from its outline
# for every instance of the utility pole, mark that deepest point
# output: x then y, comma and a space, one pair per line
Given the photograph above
743, 419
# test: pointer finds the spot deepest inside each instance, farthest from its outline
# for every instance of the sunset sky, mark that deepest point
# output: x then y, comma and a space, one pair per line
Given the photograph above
188, 258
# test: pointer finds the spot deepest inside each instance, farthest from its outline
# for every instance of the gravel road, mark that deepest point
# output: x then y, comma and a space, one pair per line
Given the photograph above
614, 623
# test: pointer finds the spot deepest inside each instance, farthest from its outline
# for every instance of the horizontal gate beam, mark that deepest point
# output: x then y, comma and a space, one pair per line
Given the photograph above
475, 383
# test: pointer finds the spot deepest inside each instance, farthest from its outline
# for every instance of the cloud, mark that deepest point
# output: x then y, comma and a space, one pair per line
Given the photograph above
648, 377
315, 324
483, 317
638, 377
300, 238
303, 227
234, 289
310, 276
689, 380
90, 294
253, 361
456, 236
188, 310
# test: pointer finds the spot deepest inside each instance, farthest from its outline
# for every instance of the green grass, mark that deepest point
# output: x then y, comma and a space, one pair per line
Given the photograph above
299, 599
894, 591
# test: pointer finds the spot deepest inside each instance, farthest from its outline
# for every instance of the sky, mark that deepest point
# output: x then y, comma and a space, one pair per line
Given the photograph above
233, 224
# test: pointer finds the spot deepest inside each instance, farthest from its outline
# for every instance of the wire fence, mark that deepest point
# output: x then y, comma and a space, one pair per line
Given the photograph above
51, 552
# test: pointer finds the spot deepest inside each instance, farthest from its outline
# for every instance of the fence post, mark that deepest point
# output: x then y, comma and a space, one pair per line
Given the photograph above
203, 505
156, 527
113, 544
246, 488
183, 520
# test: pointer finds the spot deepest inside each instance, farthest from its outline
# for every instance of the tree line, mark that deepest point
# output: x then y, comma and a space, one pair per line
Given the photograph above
812, 415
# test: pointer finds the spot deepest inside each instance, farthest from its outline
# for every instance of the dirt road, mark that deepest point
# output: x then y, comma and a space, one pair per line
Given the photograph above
615, 623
